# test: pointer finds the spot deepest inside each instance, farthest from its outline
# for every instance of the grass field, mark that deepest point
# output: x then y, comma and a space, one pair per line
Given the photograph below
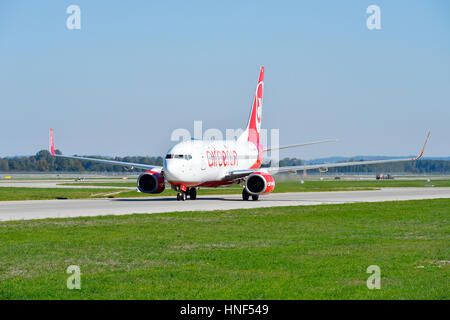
313, 252
285, 186
7, 193
12, 194
17, 193
309, 185
296, 186
50, 177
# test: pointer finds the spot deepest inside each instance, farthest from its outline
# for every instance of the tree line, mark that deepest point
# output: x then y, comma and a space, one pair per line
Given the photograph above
43, 161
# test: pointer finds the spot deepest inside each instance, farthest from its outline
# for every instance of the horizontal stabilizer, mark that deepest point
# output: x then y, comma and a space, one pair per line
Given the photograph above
112, 162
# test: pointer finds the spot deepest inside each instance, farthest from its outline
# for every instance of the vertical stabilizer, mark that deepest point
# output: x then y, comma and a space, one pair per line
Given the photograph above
251, 133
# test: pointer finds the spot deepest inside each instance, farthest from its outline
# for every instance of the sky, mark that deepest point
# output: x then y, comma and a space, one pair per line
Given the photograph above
136, 71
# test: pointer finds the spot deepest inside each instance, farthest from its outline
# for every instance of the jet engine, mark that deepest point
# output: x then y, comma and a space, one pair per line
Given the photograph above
259, 183
151, 182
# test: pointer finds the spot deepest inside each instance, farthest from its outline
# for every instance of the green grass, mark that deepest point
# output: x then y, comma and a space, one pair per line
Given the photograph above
19, 193
312, 252
309, 185
7, 193
51, 178
13, 193
284, 186
101, 184
375, 183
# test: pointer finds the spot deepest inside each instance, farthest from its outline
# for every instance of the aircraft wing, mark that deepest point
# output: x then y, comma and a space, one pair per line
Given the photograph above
112, 162
236, 174
300, 145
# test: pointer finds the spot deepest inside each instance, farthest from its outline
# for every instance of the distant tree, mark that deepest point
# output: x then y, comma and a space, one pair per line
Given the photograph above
4, 165
42, 165
43, 154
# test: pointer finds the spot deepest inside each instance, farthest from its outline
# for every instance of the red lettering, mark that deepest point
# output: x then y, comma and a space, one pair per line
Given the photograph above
224, 158
209, 157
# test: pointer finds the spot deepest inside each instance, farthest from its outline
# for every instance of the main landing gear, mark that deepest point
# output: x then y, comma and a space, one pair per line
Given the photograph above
182, 195
246, 195
192, 193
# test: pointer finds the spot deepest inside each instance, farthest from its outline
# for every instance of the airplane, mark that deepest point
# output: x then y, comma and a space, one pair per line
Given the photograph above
192, 164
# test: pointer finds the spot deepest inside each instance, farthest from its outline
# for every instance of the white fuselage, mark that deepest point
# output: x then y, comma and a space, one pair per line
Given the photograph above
198, 162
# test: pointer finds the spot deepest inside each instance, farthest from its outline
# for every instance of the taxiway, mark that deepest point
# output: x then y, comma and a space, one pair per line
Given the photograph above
41, 209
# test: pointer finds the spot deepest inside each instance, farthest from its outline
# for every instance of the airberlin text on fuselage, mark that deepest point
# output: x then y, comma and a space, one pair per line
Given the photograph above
222, 158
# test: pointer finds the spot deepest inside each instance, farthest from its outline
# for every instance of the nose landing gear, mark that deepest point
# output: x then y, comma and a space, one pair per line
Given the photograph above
245, 195
181, 196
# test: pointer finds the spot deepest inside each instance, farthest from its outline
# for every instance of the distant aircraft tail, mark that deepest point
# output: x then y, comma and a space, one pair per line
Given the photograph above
52, 143
251, 133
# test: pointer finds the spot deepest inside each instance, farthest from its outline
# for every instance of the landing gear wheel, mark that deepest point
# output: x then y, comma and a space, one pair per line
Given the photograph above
245, 195
254, 198
192, 193
180, 196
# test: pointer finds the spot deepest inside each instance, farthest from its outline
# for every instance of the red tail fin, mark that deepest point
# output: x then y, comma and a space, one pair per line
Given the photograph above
254, 123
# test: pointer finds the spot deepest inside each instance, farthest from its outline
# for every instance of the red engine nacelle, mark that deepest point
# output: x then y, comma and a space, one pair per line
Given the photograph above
259, 183
151, 182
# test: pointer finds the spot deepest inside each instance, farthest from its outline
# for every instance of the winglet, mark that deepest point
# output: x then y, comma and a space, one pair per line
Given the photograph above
52, 143
424, 145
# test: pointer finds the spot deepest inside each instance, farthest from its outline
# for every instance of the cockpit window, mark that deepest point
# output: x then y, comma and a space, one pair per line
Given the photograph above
178, 156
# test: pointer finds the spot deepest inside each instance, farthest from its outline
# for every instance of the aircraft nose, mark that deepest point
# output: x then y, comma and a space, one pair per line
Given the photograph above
171, 171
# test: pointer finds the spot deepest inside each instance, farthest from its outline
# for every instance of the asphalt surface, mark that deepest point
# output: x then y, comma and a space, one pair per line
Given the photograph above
40, 209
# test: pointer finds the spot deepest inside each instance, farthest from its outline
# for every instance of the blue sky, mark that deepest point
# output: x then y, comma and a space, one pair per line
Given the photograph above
137, 70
